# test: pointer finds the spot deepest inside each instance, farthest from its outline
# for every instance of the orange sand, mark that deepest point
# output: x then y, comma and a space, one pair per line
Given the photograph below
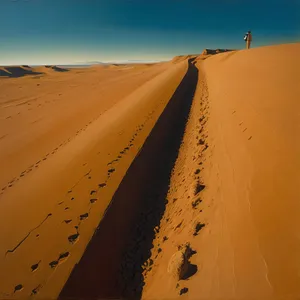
225, 179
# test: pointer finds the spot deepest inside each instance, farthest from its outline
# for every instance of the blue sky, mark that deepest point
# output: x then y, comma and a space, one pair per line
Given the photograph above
73, 31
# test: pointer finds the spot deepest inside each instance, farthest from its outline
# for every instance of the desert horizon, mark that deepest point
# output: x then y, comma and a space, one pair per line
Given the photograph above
149, 150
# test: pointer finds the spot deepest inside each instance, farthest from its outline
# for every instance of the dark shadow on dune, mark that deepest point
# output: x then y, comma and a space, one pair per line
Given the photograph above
111, 267
57, 69
215, 51
14, 71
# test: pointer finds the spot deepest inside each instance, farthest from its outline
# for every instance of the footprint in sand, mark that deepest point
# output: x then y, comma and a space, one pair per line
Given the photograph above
198, 188
111, 171
18, 288
63, 256
36, 290
68, 221
35, 266
201, 142
92, 201
183, 291
83, 216
198, 227
53, 264
73, 238
196, 203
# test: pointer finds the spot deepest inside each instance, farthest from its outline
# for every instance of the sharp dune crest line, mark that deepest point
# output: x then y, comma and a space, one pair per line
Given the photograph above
162, 181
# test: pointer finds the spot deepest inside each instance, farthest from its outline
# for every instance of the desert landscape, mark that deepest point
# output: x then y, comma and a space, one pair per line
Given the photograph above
170, 180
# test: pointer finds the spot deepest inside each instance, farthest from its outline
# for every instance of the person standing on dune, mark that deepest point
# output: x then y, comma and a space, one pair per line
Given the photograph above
248, 39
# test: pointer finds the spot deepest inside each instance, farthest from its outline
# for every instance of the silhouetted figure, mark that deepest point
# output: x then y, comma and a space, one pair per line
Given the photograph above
248, 39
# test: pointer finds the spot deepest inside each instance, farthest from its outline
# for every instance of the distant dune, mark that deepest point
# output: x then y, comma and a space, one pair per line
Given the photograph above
17, 71
57, 69
25, 70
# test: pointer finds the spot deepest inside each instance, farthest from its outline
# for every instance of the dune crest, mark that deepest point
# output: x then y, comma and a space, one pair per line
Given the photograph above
233, 193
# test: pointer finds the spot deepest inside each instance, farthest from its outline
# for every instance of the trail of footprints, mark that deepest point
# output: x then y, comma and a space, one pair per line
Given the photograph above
53, 264
74, 237
196, 197
12, 182
244, 130
198, 185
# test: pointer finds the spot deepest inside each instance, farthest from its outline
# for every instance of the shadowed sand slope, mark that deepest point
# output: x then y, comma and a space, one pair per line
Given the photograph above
57, 69
66, 143
115, 270
234, 193
17, 71
214, 51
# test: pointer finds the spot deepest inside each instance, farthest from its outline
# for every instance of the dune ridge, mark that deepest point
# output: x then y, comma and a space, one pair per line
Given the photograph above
238, 161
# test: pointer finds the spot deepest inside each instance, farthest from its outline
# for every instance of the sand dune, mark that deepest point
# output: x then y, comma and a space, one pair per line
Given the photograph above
161, 181
20, 71
17, 71
57, 69
233, 193
66, 165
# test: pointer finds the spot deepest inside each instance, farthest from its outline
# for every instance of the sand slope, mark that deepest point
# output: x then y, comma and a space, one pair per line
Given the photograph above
107, 172
242, 146
62, 169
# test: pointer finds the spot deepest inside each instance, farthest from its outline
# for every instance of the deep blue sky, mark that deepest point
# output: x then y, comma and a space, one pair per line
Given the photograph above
71, 31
